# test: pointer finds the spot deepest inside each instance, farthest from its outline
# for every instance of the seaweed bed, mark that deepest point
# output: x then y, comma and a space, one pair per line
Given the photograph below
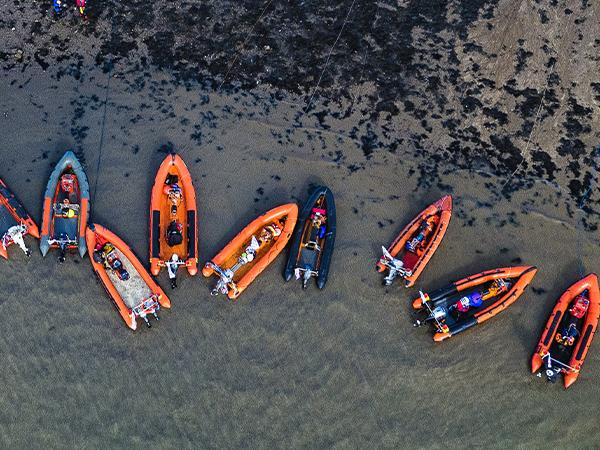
457, 85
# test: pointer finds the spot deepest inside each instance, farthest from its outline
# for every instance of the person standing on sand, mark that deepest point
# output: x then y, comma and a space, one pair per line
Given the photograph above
59, 5
81, 6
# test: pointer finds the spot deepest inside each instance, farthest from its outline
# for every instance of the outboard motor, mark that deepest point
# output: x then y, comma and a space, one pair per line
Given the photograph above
551, 375
306, 277
15, 234
394, 265
62, 240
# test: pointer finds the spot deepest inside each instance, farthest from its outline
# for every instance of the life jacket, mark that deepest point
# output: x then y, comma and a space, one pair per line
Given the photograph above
174, 233
472, 300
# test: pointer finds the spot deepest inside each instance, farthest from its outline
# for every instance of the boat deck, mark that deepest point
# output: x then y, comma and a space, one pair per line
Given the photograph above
135, 289
6, 220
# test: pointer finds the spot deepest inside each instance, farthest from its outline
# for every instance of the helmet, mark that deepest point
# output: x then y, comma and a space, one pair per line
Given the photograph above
67, 182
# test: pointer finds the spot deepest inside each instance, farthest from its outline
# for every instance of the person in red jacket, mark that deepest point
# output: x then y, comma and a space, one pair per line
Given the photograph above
60, 5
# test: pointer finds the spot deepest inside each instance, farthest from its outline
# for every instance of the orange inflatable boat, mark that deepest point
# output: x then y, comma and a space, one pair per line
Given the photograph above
130, 287
410, 252
15, 222
173, 227
252, 250
472, 300
568, 334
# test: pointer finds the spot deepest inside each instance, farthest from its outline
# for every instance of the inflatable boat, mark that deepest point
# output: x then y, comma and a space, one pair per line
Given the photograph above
412, 249
472, 300
569, 332
66, 208
312, 243
173, 227
252, 250
131, 288
15, 222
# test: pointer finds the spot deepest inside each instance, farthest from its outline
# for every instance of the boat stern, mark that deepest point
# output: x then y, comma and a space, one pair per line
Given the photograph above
82, 246
536, 362
44, 244
570, 378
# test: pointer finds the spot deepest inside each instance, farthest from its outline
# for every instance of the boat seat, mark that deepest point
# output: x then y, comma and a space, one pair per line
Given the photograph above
67, 226
312, 245
309, 258
410, 260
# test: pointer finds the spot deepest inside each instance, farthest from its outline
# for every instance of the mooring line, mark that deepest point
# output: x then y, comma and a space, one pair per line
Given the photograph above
329, 56
580, 226
244, 44
102, 128
533, 128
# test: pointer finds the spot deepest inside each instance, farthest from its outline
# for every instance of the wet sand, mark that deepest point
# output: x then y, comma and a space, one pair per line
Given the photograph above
403, 115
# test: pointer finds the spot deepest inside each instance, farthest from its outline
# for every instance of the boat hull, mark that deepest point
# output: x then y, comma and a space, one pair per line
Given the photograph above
520, 278
119, 296
13, 213
161, 215
76, 228
590, 284
227, 256
323, 262
441, 208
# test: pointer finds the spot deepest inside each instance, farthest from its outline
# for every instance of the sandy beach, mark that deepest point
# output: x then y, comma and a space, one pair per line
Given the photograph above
392, 105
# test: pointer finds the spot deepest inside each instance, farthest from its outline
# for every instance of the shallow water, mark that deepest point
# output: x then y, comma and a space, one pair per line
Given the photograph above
284, 367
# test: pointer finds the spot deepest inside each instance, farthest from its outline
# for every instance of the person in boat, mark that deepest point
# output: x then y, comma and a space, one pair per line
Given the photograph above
81, 8
107, 255
568, 335
58, 7
570, 332
472, 300
66, 209
475, 299
417, 244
